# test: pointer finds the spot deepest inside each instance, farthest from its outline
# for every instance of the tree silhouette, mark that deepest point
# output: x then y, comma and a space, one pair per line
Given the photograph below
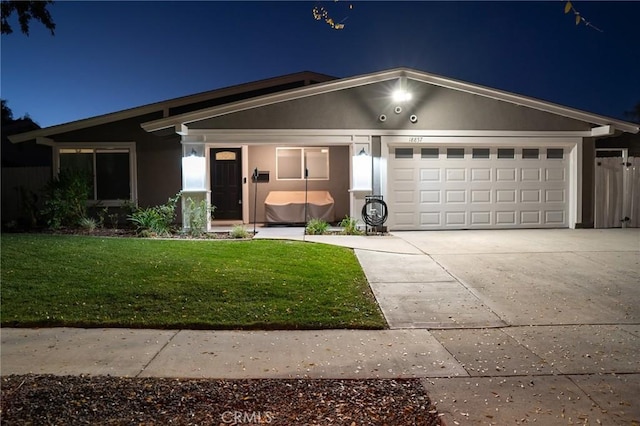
634, 114
321, 13
26, 11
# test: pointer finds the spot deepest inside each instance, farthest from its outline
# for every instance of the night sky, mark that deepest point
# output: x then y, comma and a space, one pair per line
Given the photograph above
109, 56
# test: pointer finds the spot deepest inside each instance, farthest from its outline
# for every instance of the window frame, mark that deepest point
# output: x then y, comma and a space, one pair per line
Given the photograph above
480, 153
502, 151
453, 153
554, 152
303, 162
402, 153
429, 153
527, 153
94, 148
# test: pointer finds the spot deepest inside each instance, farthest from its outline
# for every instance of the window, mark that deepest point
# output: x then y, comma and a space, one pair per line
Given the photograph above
530, 153
404, 153
506, 153
292, 162
480, 153
429, 152
109, 170
555, 153
455, 152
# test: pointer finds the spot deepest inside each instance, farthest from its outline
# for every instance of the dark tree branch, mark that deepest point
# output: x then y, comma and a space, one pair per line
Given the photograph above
26, 11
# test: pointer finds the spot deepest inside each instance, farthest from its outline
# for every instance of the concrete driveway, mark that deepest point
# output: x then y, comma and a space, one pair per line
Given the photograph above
545, 323
541, 277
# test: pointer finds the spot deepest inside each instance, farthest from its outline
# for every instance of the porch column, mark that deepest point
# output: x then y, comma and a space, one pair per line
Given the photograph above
361, 178
195, 192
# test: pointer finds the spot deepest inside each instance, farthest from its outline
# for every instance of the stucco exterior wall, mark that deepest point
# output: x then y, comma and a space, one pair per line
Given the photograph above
437, 108
158, 158
264, 158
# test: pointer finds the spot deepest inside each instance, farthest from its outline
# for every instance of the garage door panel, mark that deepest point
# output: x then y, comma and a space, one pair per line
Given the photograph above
480, 175
405, 197
430, 197
483, 193
430, 219
530, 196
530, 175
506, 175
404, 219
555, 196
506, 196
480, 196
530, 217
480, 218
506, 217
554, 217
554, 175
456, 175
458, 218
430, 175
456, 196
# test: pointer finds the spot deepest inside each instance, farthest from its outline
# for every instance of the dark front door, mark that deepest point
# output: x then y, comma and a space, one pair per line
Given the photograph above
226, 183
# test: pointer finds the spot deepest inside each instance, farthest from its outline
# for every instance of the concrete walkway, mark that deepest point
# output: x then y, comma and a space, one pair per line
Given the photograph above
502, 327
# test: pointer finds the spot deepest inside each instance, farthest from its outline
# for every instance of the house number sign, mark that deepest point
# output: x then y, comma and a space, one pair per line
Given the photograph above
415, 139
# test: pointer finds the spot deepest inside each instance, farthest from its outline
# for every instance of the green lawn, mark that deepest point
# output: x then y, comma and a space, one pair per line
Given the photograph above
55, 280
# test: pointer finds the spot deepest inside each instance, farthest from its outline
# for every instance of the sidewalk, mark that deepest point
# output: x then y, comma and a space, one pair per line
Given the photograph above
539, 326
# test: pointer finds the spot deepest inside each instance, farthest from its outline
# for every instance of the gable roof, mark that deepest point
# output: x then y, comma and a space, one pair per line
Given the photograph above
394, 74
181, 105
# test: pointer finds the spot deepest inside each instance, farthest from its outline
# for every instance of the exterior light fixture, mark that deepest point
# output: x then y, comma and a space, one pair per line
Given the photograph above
401, 95
194, 172
361, 168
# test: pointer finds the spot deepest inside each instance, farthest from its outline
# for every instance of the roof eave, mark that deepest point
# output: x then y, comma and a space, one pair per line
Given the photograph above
180, 120
163, 105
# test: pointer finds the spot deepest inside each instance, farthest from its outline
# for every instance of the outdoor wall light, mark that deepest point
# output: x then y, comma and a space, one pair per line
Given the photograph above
401, 95
194, 172
361, 168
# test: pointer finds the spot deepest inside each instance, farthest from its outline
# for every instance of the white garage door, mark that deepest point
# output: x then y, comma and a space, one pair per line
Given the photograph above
454, 187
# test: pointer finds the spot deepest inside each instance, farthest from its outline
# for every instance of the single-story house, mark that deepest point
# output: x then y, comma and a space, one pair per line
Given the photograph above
441, 153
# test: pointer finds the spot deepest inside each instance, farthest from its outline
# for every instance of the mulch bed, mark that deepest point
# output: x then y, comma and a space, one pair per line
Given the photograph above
48, 399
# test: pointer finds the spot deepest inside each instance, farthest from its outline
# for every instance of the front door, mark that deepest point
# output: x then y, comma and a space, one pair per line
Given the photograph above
226, 183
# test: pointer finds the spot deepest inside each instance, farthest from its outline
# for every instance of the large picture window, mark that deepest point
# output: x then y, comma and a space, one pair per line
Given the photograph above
109, 170
292, 162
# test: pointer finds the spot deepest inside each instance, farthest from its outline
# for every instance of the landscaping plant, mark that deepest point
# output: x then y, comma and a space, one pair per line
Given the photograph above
349, 226
66, 198
198, 214
317, 227
156, 220
238, 232
88, 224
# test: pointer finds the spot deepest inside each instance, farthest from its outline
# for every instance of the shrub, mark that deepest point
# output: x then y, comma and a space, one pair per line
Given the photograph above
88, 223
239, 231
156, 220
198, 214
349, 226
66, 198
317, 227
